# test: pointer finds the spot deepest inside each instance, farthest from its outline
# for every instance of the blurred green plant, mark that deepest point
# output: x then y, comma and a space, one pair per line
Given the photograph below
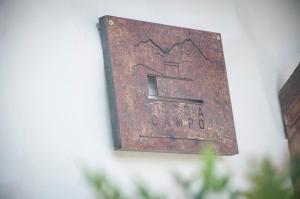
105, 189
265, 182
295, 173
207, 181
144, 193
268, 182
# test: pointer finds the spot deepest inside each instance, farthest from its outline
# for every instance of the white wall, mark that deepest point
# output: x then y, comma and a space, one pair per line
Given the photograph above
53, 105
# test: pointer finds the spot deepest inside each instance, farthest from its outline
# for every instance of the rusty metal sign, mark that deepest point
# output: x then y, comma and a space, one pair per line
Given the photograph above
167, 87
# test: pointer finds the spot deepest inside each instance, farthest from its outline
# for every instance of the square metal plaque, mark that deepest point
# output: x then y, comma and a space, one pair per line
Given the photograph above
167, 87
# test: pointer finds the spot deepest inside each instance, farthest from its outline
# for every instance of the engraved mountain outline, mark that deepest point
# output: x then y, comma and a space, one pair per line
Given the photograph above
167, 50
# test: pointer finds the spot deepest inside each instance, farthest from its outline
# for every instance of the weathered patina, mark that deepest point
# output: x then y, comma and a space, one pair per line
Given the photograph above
167, 87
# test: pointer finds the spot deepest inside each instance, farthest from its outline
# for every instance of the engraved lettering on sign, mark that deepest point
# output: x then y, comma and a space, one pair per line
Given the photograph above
201, 121
190, 120
178, 122
179, 116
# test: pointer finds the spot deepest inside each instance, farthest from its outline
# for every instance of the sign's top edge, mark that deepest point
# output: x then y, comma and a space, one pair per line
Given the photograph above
154, 23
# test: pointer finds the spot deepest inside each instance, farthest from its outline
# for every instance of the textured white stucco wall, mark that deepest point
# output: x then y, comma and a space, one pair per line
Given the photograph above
53, 105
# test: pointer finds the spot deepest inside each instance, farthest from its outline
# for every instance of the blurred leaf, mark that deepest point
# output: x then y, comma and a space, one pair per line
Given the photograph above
295, 173
102, 187
268, 183
208, 182
144, 193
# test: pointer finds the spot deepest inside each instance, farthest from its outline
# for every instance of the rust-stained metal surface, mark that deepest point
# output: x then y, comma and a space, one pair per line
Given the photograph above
289, 97
167, 87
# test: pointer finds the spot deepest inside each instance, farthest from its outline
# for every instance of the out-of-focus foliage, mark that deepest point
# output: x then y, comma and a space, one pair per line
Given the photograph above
268, 182
295, 173
265, 182
105, 189
144, 193
207, 181
102, 187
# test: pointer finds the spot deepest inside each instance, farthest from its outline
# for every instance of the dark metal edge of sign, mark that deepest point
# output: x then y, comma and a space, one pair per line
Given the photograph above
102, 27
181, 152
